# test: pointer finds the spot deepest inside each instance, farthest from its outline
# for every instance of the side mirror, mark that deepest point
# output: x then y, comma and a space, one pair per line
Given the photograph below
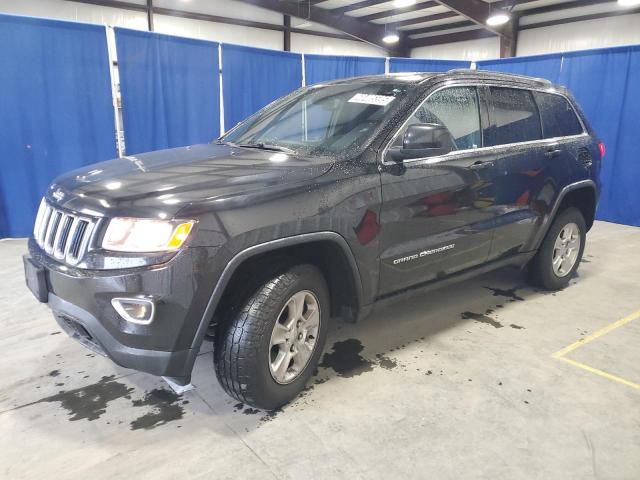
423, 140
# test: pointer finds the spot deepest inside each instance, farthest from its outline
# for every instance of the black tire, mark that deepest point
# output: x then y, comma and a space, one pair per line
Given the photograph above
540, 268
242, 343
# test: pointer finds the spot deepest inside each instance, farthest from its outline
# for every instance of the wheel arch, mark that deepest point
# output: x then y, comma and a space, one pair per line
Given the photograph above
582, 195
582, 198
292, 248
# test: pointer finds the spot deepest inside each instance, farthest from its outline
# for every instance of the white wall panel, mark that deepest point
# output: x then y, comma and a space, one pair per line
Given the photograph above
603, 32
332, 46
255, 37
468, 50
220, 32
78, 12
224, 8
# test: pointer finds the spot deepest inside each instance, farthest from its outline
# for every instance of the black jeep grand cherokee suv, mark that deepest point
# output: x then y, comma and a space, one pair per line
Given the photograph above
321, 205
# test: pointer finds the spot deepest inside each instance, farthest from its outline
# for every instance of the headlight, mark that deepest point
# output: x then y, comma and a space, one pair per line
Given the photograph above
145, 235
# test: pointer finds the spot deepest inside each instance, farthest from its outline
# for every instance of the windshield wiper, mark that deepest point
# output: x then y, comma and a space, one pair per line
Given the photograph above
224, 142
265, 146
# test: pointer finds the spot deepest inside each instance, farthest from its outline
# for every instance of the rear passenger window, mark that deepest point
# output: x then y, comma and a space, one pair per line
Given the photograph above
558, 117
514, 117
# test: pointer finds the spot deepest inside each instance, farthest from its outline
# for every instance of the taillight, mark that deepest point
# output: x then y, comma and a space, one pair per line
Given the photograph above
602, 149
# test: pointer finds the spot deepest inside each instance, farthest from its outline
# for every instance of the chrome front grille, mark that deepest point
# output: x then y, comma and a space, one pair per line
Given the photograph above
61, 234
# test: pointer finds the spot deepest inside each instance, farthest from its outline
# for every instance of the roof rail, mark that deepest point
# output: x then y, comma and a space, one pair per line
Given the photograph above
468, 71
461, 70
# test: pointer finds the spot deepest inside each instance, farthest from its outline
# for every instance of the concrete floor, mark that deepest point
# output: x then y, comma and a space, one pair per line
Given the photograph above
458, 384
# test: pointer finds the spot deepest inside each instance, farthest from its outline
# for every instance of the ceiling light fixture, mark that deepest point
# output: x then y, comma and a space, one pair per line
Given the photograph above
498, 18
403, 3
629, 3
391, 38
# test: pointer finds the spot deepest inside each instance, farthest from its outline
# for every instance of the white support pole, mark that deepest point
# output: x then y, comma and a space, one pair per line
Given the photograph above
304, 105
386, 65
221, 93
116, 97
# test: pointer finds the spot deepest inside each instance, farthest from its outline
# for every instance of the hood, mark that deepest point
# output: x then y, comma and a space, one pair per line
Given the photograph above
165, 181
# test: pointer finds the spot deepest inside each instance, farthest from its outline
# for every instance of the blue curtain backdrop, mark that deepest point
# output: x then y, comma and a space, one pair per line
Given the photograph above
170, 90
254, 77
56, 109
56, 112
424, 65
321, 68
543, 66
605, 83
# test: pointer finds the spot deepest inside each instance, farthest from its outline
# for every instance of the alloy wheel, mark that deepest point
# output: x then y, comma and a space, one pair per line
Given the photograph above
294, 337
566, 249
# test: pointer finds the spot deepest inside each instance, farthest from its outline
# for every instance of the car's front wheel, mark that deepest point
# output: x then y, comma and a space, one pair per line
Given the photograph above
561, 251
265, 353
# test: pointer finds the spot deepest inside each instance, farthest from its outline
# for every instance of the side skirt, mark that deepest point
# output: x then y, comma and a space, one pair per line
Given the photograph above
518, 260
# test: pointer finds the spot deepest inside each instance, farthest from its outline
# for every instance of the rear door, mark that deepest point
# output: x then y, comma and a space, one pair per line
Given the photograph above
436, 215
523, 174
535, 135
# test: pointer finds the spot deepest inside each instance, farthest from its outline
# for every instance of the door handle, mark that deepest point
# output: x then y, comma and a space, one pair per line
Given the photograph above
480, 164
552, 152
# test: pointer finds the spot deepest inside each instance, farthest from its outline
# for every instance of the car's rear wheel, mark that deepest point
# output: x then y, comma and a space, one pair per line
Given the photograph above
561, 251
266, 352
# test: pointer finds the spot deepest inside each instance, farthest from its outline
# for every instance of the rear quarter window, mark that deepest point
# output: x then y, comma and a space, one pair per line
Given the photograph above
514, 117
558, 117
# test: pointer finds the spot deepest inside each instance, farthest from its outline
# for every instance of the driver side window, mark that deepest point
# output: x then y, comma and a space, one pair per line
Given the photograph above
455, 108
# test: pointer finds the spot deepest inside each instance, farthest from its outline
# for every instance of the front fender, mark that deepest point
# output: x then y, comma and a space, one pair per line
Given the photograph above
246, 254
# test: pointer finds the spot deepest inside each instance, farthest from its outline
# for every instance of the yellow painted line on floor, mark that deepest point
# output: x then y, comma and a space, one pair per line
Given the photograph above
602, 373
560, 354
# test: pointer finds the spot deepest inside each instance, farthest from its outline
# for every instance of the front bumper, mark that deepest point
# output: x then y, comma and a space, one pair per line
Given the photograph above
91, 333
81, 304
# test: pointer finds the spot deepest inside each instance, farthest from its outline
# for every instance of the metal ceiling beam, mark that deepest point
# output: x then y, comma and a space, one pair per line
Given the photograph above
562, 6
417, 7
452, 14
581, 18
509, 45
510, 3
477, 11
439, 28
367, 32
287, 33
427, 18
356, 6
150, 15
397, 11
137, 7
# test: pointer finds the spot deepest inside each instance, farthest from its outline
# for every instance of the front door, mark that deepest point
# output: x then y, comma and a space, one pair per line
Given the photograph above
437, 215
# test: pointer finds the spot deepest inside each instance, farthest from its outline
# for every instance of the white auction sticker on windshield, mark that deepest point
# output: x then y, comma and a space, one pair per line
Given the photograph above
369, 99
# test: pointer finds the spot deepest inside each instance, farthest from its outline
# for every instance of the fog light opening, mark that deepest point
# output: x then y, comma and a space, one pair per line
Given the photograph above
135, 310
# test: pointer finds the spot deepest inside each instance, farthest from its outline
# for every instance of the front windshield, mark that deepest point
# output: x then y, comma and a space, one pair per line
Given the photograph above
321, 120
